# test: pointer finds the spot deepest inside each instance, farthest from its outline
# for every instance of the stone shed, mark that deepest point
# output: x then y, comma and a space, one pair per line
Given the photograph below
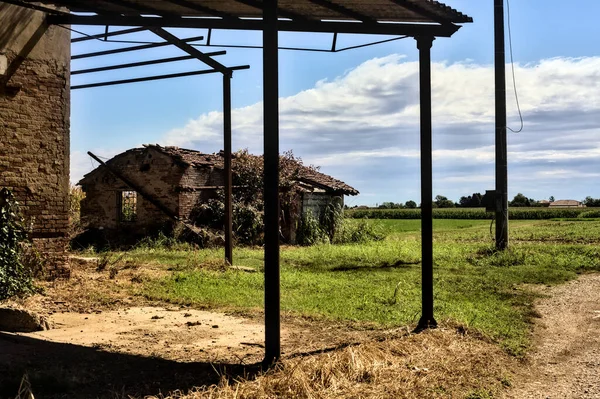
156, 184
34, 126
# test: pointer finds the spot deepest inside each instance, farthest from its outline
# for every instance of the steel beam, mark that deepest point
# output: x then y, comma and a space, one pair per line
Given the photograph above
142, 63
227, 164
159, 77
107, 34
133, 48
501, 145
427, 320
271, 181
174, 40
394, 29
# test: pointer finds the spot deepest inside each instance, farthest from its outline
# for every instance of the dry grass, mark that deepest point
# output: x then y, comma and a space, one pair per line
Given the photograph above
435, 364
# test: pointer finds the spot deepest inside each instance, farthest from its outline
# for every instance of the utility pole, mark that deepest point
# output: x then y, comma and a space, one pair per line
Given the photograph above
501, 200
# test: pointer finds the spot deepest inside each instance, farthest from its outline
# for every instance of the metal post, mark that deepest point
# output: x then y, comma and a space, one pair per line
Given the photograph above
271, 180
227, 162
427, 321
501, 148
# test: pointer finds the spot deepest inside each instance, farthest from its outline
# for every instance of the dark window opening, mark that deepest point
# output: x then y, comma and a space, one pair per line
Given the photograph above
128, 206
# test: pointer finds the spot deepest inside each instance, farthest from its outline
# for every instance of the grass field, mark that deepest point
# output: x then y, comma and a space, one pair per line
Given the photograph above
514, 213
378, 283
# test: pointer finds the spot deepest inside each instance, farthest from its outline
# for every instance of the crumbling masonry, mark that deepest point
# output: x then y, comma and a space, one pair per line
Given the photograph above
34, 127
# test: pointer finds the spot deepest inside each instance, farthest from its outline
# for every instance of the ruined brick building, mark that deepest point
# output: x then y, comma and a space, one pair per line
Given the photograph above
154, 184
34, 126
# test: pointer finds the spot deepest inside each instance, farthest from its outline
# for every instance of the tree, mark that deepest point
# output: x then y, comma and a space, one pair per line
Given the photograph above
551, 199
520, 200
443, 202
472, 201
591, 202
410, 204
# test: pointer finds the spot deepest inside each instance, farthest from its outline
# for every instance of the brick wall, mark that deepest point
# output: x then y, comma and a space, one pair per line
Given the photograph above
198, 184
34, 127
149, 169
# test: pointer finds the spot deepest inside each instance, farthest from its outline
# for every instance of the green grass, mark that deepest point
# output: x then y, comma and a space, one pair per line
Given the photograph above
379, 283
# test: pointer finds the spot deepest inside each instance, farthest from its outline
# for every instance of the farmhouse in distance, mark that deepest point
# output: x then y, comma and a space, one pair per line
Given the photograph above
142, 189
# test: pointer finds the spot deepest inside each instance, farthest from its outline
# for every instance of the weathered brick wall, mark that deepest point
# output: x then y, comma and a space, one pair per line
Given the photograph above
34, 127
198, 184
149, 169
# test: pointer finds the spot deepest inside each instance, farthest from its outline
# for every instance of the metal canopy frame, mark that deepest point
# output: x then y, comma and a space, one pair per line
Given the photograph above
423, 20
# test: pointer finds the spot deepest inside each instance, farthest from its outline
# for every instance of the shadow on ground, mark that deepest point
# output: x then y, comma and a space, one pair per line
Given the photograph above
61, 370
400, 264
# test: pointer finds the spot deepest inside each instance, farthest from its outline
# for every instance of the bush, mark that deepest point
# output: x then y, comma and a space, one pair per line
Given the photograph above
590, 214
359, 233
15, 277
309, 230
332, 218
247, 220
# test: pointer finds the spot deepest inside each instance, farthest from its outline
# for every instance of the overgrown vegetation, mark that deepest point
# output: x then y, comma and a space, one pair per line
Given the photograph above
333, 228
248, 206
76, 195
15, 275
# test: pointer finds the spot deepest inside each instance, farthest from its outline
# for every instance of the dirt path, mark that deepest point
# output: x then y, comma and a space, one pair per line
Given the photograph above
566, 363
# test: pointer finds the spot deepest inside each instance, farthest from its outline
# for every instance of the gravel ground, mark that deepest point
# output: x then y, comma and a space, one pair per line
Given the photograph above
566, 363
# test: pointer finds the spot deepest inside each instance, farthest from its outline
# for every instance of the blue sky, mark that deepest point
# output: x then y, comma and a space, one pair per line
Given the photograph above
355, 113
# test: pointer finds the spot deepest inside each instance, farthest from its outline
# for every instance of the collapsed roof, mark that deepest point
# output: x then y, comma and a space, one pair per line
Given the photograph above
308, 177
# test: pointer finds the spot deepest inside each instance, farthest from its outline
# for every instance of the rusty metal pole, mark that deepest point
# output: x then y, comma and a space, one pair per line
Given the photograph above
271, 181
427, 320
227, 163
501, 146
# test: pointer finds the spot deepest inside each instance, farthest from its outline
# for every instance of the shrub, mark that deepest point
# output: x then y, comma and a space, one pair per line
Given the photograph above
247, 219
15, 276
332, 218
309, 230
75, 197
590, 214
359, 233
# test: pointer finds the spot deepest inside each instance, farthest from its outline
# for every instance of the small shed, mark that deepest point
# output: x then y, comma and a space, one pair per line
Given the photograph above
154, 184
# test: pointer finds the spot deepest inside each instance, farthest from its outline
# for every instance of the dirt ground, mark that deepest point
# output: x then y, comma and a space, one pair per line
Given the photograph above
566, 361
108, 344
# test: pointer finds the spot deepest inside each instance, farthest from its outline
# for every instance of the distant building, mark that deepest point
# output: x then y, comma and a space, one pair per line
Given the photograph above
173, 181
566, 204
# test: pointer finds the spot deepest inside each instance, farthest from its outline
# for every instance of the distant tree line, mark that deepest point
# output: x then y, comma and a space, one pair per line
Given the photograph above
478, 200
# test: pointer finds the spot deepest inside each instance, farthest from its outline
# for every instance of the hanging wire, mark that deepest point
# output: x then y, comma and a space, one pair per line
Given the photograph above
512, 65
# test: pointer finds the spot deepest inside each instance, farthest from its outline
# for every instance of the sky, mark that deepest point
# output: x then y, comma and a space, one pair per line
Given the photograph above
356, 113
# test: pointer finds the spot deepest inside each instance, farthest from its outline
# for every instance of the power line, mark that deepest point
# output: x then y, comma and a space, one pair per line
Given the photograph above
512, 65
